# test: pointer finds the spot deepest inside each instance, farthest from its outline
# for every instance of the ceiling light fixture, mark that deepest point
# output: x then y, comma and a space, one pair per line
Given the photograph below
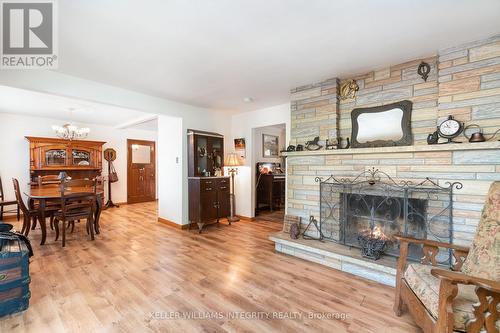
70, 132
248, 99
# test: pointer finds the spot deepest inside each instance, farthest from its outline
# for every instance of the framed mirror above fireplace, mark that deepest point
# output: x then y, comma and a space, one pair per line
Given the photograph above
382, 126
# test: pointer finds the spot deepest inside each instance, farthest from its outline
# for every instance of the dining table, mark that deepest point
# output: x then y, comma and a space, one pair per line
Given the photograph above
44, 194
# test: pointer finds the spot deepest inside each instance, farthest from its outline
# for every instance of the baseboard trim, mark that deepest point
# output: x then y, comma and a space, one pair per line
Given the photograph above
246, 218
172, 224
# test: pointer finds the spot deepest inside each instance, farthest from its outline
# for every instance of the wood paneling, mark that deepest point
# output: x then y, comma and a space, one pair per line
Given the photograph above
133, 269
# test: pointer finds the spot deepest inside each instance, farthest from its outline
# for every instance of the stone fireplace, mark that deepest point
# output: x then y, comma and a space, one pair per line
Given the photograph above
464, 82
473, 165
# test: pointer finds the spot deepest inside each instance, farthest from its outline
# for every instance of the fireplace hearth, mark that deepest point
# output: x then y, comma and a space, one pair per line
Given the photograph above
367, 211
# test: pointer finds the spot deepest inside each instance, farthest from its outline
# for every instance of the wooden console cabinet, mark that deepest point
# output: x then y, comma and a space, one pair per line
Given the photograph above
78, 158
208, 195
208, 200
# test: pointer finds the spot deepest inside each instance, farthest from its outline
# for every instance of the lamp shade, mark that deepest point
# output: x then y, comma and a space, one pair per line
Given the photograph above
232, 160
62, 175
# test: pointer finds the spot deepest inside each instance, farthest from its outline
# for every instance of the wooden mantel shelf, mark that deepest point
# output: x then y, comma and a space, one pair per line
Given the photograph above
399, 149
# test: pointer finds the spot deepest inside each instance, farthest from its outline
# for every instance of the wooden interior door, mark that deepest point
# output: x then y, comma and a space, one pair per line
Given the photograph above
141, 171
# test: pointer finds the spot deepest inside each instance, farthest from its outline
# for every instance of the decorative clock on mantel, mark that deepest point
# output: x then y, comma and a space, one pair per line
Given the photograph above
450, 129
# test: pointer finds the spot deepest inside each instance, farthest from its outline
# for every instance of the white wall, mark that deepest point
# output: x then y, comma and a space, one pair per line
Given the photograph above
14, 150
170, 166
242, 126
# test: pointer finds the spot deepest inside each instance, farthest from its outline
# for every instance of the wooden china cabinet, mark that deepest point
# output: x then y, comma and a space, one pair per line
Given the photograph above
205, 153
208, 194
78, 158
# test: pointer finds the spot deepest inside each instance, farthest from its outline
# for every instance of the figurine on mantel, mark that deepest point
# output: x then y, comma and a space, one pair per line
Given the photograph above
313, 144
331, 144
346, 146
337, 144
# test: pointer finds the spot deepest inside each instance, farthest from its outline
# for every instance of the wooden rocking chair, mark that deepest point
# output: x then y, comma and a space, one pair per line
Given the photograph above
465, 298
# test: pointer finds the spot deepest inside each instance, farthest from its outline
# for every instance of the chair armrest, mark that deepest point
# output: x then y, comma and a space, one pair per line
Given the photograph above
432, 243
461, 278
485, 311
431, 249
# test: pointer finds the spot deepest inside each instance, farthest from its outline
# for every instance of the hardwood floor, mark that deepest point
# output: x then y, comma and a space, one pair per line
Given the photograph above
275, 216
138, 273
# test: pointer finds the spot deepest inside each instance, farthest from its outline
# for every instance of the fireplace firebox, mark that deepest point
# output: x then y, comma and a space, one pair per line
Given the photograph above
367, 211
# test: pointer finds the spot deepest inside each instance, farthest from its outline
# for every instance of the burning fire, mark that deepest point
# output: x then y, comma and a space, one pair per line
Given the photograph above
375, 233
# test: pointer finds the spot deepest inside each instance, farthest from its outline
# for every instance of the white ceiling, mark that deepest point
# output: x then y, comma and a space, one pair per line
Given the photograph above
215, 53
30, 103
148, 125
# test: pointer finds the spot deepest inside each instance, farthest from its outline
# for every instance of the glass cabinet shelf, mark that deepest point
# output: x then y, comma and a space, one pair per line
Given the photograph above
80, 157
55, 157
205, 153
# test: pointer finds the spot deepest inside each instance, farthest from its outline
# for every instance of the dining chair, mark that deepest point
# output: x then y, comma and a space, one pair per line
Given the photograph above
47, 181
4, 203
28, 214
76, 206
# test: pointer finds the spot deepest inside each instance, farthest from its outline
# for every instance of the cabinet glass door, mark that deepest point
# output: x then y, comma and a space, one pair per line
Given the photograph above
81, 157
216, 153
55, 157
201, 151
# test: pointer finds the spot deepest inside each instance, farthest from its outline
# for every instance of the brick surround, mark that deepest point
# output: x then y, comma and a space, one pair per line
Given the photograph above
464, 81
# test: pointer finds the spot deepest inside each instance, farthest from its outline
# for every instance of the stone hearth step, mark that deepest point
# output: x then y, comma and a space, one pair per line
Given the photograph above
338, 256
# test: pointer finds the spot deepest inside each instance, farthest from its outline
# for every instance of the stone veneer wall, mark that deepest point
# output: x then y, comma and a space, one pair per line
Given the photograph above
394, 84
464, 81
314, 111
469, 83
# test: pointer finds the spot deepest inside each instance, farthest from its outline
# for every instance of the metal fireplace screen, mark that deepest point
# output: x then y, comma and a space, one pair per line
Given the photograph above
374, 205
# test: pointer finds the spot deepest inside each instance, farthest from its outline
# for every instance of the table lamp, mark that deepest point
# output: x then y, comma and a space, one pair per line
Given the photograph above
62, 175
232, 161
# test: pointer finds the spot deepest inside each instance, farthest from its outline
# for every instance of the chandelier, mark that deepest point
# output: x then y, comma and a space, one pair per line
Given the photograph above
71, 132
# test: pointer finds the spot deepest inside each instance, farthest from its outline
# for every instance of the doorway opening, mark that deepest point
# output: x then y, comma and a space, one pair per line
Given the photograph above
270, 176
141, 171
